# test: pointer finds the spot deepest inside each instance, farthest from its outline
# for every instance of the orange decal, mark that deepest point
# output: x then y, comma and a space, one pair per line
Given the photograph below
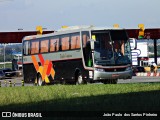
52, 73
41, 59
49, 68
36, 65
45, 69
40, 70
46, 79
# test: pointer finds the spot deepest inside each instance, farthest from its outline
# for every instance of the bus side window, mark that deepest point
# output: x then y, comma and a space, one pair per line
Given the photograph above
26, 48
34, 47
65, 42
54, 44
75, 41
44, 46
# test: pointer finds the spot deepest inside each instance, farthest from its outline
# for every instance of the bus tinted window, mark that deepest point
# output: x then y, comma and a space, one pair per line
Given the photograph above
54, 44
75, 41
26, 48
34, 47
104, 40
44, 46
65, 42
118, 35
85, 37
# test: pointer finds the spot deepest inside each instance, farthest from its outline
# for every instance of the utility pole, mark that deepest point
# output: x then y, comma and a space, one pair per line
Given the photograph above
155, 51
4, 54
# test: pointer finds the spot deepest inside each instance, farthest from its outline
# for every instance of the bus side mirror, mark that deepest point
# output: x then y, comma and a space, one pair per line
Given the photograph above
92, 44
133, 43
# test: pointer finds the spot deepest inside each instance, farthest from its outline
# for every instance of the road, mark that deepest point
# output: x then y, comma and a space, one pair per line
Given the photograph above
135, 79
140, 79
15, 81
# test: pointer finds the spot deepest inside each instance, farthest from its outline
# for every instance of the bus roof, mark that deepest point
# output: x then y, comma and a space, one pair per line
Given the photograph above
70, 30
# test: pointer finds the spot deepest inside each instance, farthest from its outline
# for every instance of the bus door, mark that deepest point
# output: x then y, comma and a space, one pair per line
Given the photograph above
88, 54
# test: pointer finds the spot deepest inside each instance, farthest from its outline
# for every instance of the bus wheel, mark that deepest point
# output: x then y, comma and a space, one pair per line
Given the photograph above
40, 82
79, 79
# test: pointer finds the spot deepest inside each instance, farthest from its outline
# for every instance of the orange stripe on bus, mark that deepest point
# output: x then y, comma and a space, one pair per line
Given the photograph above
49, 68
52, 73
45, 67
36, 65
47, 80
40, 70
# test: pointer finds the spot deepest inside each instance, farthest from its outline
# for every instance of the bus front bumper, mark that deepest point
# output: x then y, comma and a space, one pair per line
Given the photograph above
99, 75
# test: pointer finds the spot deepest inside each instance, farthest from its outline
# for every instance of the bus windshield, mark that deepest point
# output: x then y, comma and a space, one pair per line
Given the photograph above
110, 50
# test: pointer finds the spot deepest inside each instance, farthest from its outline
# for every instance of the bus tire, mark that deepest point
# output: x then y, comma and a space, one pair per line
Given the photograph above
40, 82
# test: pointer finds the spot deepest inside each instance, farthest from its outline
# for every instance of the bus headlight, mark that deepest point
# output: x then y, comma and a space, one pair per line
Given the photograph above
128, 68
99, 69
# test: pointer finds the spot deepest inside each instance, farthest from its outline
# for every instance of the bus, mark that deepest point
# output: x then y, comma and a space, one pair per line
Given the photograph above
18, 64
78, 55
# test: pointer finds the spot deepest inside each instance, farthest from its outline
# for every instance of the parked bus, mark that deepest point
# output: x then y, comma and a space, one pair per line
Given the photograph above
17, 65
77, 55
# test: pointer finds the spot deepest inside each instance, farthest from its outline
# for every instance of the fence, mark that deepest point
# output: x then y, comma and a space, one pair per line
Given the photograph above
149, 74
12, 83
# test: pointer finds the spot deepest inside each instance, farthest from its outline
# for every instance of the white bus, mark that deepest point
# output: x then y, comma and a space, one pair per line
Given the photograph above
77, 55
18, 58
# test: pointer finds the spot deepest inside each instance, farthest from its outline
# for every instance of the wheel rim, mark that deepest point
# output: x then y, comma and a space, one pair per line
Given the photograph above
40, 81
80, 80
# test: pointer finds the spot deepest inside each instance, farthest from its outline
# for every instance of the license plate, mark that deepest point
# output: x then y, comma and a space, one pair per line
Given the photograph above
115, 75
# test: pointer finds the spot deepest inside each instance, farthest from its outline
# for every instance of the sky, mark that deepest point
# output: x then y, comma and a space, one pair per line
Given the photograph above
52, 14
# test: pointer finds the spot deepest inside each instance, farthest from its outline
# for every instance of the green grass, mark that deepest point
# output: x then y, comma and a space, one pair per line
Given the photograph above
95, 97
